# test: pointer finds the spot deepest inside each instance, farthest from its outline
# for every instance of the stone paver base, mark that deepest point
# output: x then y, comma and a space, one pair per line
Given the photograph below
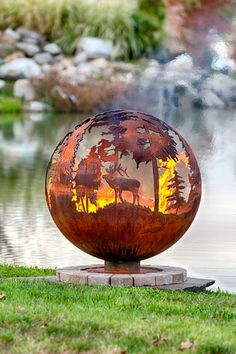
158, 276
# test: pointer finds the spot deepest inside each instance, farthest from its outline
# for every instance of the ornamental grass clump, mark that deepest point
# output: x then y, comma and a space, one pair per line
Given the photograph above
133, 26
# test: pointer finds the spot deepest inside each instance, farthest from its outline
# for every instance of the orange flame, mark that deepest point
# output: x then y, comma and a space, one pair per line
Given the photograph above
106, 195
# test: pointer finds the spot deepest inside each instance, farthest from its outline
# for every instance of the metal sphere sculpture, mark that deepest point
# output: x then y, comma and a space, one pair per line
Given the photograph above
123, 186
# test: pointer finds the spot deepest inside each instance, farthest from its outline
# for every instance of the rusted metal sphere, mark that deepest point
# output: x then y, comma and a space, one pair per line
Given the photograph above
123, 186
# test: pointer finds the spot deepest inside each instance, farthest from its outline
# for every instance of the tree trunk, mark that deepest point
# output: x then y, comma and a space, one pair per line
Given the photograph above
156, 184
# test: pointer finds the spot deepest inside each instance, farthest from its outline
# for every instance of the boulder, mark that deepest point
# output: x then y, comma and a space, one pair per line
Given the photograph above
210, 100
183, 62
223, 86
95, 47
31, 40
57, 58
52, 48
184, 94
43, 58
152, 71
12, 34
6, 49
14, 55
6, 39
80, 58
25, 33
88, 69
46, 68
2, 84
183, 88
36, 106
28, 48
24, 89
100, 63
20, 68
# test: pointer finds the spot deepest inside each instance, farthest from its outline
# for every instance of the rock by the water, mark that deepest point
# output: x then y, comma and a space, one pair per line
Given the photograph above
210, 99
20, 68
6, 49
52, 48
31, 40
24, 89
2, 84
100, 63
184, 88
184, 94
223, 86
14, 55
25, 33
80, 58
95, 47
28, 48
43, 58
12, 34
152, 71
57, 58
182, 62
36, 106
88, 69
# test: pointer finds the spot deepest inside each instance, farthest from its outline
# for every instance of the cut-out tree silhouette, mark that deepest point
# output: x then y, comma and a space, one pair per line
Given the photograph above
143, 136
149, 140
176, 199
111, 150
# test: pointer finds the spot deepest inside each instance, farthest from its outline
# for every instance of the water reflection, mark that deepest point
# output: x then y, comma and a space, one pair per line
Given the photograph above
28, 235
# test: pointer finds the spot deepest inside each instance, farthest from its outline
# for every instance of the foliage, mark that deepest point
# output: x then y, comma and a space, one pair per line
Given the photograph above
149, 20
21, 271
110, 20
134, 26
10, 104
176, 199
43, 317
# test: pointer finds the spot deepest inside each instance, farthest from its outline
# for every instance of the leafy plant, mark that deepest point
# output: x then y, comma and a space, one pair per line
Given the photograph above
133, 26
10, 105
149, 24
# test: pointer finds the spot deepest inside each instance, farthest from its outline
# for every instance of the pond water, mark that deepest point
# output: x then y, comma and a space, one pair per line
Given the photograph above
28, 235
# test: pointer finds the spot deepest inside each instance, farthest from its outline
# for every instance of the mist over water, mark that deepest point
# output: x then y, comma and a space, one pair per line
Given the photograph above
29, 236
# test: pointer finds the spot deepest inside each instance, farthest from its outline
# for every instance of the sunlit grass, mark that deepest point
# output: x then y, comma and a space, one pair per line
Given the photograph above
7, 271
43, 317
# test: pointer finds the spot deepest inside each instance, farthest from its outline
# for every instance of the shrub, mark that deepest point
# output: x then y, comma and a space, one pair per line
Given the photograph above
86, 97
10, 105
133, 26
149, 24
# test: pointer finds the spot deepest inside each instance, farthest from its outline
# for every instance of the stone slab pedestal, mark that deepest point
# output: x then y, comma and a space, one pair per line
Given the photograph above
154, 276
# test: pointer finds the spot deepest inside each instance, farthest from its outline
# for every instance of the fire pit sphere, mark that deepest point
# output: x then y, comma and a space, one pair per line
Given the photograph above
123, 186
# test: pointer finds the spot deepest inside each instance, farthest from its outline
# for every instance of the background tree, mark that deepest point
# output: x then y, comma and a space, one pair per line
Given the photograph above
176, 199
149, 140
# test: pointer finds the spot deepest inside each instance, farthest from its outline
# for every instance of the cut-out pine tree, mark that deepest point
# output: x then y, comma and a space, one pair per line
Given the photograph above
176, 199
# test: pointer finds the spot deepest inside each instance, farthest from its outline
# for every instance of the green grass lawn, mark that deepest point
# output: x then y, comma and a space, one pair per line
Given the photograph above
43, 317
7, 271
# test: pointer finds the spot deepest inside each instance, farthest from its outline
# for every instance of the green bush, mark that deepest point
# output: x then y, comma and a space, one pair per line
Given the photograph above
133, 26
10, 105
149, 24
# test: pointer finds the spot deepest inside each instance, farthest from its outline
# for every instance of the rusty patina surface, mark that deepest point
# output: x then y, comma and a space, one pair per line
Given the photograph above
123, 186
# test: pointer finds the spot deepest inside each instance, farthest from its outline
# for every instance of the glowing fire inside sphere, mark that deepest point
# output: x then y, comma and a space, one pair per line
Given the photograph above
123, 186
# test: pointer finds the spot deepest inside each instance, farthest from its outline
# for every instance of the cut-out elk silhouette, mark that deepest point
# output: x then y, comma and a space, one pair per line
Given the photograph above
120, 184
